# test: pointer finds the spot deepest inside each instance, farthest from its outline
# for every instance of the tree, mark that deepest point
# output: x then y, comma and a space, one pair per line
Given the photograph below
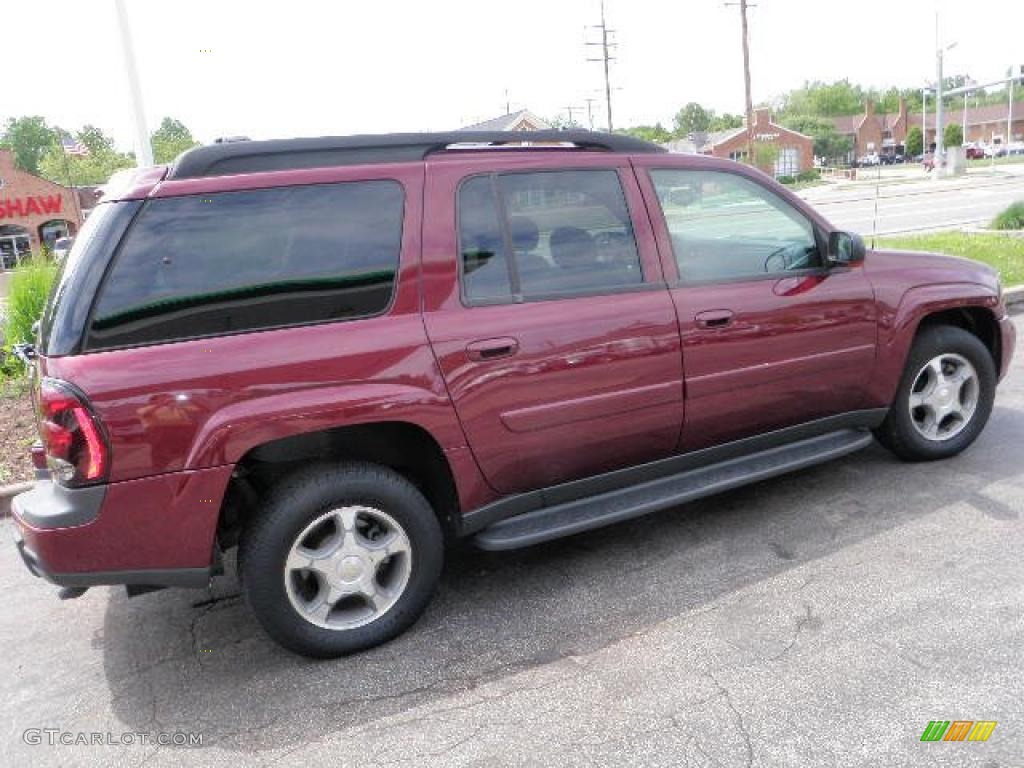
953, 135
79, 170
828, 142
170, 140
29, 138
915, 141
725, 122
824, 99
96, 167
656, 133
692, 118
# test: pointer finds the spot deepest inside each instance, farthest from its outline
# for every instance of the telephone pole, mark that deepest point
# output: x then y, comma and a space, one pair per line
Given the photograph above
748, 103
606, 59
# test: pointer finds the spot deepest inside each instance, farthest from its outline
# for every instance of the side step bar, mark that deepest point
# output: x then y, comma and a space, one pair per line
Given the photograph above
579, 515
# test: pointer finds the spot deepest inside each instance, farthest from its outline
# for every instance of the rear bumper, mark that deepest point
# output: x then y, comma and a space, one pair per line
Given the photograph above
156, 531
1008, 339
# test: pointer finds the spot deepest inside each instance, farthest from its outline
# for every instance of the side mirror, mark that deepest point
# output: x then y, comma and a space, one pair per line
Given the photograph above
845, 248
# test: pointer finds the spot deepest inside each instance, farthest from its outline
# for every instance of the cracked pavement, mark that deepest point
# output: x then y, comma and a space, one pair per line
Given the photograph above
817, 619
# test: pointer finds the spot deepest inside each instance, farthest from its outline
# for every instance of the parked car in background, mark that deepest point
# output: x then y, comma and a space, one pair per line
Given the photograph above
337, 354
995, 150
61, 246
974, 151
868, 160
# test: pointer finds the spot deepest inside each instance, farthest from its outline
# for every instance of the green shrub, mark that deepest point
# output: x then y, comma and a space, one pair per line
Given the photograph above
786, 180
29, 290
1011, 218
811, 174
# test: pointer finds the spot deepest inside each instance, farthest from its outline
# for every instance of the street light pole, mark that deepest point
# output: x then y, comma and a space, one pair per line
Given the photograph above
143, 149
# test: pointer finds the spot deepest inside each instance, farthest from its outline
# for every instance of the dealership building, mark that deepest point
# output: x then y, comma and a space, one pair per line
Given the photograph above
786, 152
33, 211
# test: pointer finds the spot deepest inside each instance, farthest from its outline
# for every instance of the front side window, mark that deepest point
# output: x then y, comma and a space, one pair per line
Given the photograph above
529, 236
237, 261
724, 227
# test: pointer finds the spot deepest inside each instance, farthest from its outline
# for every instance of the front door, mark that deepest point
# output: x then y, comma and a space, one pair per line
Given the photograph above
551, 322
771, 336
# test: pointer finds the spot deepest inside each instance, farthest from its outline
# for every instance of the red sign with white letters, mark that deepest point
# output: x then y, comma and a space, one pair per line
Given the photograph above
21, 207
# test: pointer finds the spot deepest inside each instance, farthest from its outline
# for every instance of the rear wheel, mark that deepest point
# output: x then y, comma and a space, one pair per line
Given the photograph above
945, 396
342, 558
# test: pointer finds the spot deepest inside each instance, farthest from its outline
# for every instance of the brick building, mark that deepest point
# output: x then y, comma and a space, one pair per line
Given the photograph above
787, 152
33, 211
887, 133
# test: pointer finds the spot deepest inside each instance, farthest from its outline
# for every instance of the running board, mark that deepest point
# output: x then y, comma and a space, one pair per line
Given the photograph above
579, 515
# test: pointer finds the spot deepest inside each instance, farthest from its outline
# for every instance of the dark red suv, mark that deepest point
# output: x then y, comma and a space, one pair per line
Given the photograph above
337, 353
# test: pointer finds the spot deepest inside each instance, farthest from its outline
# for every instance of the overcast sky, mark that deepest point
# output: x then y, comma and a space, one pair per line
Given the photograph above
321, 67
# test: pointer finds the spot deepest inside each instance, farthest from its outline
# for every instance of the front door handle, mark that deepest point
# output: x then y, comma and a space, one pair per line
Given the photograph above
492, 349
714, 318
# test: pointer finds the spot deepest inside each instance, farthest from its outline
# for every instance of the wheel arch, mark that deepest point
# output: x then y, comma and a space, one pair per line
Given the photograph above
403, 446
969, 306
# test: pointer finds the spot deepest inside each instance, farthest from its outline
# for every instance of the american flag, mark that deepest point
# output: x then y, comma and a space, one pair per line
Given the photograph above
73, 146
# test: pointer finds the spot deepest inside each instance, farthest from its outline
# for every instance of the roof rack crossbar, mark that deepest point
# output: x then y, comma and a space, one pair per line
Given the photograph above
289, 154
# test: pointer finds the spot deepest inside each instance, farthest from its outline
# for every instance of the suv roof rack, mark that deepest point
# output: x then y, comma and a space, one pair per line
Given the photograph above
286, 154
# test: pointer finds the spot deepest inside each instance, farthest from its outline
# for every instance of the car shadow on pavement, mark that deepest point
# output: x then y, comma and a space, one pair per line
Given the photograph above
197, 661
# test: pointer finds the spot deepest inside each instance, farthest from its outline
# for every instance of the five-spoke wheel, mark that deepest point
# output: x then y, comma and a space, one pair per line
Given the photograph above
341, 558
944, 398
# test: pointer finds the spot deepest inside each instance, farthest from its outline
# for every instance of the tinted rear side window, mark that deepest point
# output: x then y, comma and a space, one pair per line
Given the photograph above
237, 261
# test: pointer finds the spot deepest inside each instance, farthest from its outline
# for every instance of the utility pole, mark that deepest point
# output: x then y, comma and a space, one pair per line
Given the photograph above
590, 111
569, 109
143, 148
748, 102
606, 59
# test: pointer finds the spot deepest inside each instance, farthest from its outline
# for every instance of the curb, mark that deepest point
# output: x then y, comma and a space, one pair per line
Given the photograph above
8, 492
1014, 297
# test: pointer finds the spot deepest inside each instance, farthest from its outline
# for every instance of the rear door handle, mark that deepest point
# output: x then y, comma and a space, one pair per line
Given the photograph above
492, 349
714, 318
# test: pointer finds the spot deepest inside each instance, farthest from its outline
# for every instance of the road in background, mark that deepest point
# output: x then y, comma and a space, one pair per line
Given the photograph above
906, 204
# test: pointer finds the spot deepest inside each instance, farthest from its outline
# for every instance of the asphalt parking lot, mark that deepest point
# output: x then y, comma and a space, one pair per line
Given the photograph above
820, 619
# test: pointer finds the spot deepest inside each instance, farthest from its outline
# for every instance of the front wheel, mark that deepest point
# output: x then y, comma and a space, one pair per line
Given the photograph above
945, 396
341, 558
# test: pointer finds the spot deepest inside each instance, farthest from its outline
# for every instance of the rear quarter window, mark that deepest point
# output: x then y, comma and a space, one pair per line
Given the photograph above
239, 261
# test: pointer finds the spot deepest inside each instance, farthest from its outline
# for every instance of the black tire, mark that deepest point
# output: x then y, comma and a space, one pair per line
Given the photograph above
296, 502
898, 433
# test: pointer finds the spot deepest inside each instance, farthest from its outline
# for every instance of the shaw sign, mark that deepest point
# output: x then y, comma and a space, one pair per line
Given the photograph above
30, 206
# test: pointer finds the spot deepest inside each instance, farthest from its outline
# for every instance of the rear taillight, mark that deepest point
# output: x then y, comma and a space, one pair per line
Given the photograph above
76, 450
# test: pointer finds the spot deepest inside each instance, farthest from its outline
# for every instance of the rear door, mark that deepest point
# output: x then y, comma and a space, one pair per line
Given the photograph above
772, 337
546, 307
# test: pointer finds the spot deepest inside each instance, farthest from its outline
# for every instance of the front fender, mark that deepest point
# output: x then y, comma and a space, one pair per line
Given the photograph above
898, 325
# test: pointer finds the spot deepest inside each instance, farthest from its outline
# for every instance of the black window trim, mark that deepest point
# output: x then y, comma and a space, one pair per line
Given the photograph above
517, 297
820, 240
86, 349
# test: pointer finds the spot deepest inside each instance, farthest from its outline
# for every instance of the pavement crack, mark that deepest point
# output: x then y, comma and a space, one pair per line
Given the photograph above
739, 718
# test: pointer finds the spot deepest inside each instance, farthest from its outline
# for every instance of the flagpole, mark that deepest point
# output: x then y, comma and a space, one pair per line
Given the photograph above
71, 183
143, 148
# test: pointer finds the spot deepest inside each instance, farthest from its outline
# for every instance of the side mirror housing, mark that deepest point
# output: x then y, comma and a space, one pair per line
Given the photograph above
845, 248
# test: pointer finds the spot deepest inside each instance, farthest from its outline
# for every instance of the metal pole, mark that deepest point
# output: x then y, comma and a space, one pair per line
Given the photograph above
938, 98
1009, 112
746, 83
924, 121
607, 79
143, 148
